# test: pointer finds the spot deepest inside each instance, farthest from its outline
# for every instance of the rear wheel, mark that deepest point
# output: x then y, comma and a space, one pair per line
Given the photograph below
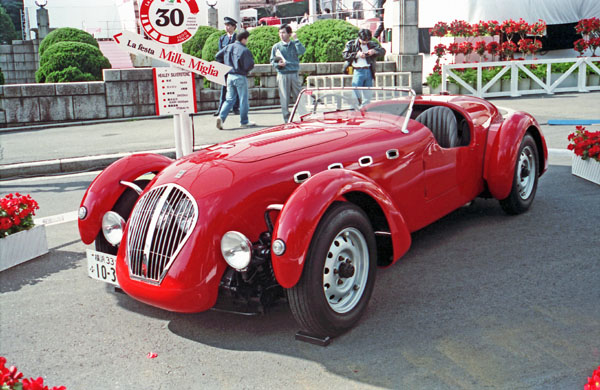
123, 207
525, 178
339, 273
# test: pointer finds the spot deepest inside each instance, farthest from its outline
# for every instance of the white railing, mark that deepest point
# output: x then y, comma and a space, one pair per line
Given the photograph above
548, 85
382, 79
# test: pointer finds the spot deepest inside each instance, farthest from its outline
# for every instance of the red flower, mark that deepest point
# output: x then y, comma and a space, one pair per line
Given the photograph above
585, 144
460, 28
439, 30
581, 45
439, 50
453, 48
594, 381
480, 48
538, 28
465, 48
508, 49
493, 48
16, 213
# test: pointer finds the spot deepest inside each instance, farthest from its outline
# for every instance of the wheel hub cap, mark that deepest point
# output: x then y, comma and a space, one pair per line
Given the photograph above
346, 270
525, 180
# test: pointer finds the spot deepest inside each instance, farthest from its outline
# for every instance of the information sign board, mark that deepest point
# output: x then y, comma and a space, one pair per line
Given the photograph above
175, 91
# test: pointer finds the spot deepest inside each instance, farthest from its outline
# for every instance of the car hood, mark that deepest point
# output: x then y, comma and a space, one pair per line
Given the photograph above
278, 140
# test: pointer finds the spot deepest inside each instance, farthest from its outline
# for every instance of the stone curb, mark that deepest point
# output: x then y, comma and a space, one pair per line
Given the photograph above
95, 163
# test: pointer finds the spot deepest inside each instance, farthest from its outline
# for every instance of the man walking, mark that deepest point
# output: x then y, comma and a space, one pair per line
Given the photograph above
241, 61
224, 40
284, 57
361, 54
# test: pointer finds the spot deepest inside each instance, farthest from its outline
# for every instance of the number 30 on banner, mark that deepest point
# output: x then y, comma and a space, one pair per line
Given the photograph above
170, 22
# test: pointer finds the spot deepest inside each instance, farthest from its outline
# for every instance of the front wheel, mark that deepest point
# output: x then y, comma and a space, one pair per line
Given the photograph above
339, 273
123, 207
525, 179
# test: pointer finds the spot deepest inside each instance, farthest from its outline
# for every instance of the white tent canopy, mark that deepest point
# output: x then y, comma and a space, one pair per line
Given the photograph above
473, 11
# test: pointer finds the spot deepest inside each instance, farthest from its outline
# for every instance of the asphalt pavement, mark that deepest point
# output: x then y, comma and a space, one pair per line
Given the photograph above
78, 147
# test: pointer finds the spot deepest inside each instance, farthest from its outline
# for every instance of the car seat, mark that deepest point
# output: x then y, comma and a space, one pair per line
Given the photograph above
442, 123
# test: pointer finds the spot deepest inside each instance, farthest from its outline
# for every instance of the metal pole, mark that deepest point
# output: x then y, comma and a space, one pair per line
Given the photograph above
312, 10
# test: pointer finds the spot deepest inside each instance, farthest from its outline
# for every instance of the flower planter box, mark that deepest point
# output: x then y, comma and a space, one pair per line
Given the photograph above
569, 82
20, 247
593, 80
587, 169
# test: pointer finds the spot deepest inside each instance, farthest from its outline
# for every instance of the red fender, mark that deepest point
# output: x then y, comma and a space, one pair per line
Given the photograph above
105, 190
304, 209
502, 148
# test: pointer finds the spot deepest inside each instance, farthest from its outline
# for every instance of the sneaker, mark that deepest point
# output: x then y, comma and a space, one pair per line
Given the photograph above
249, 124
219, 124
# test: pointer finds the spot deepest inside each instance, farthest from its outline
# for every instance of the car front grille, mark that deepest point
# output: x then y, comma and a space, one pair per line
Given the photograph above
160, 224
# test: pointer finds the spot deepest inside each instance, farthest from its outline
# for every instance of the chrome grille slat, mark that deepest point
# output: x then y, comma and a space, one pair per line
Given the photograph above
145, 213
155, 234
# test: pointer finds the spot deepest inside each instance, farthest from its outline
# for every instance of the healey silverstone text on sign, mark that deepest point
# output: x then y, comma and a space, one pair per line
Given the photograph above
134, 43
175, 91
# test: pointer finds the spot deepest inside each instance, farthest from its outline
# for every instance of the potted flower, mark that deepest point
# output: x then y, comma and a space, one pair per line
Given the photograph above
20, 240
434, 81
559, 69
487, 74
593, 381
586, 161
593, 78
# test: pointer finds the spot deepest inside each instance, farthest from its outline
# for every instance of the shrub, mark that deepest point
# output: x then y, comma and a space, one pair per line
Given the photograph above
7, 28
67, 34
325, 40
261, 41
62, 55
434, 80
69, 74
211, 46
196, 43
1, 77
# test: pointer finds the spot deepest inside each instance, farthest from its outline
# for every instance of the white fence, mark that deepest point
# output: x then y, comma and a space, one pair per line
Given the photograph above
575, 79
382, 79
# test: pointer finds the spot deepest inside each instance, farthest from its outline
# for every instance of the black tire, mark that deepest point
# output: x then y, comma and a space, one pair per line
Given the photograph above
525, 179
337, 252
123, 207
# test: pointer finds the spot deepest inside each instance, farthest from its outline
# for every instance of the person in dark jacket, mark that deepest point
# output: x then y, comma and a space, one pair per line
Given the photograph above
224, 40
362, 54
241, 61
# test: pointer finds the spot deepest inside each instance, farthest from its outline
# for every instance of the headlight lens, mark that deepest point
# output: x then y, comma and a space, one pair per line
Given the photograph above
113, 226
236, 249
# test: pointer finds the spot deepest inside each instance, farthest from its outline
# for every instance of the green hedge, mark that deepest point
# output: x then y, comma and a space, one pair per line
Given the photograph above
66, 34
325, 40
62, 56
211, 46
196, 43
1, 77
7, 28
261, 41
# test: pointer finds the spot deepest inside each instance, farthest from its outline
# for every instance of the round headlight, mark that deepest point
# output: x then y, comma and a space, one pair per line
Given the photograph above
82, 212
113, 226
236, 249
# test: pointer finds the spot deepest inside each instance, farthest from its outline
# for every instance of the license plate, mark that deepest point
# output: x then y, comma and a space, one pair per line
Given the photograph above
102, 266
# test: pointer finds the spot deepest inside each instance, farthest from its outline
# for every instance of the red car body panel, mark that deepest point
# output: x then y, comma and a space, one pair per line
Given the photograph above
233, 183
305, 207
106, 189
503, 148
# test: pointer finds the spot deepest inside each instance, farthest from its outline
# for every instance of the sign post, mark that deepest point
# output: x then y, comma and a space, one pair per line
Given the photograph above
170, 23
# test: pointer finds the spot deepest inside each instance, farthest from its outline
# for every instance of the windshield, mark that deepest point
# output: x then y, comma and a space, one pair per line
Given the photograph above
316, 104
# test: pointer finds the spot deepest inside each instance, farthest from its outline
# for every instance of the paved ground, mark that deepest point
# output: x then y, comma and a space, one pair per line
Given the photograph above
481, 301
92, 146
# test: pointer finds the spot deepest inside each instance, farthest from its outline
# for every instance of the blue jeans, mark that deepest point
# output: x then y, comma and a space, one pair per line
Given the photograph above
237, 89
362, 78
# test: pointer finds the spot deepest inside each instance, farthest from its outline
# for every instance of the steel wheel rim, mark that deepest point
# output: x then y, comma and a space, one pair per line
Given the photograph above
526, 172
346, 270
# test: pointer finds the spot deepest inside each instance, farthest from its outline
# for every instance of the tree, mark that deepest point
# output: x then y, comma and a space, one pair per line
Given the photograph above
325, 40
261, 41
71, 61
13, 9
66, 34
7, 28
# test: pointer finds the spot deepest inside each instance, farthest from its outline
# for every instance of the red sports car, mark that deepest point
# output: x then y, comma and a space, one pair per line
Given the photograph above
307, 210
